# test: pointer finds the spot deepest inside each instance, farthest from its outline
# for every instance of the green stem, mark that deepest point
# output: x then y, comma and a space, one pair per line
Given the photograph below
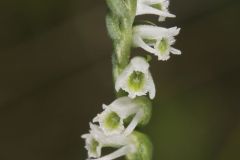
122, 46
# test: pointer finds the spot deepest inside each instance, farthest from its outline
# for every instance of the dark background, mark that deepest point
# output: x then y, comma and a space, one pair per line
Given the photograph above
55, 67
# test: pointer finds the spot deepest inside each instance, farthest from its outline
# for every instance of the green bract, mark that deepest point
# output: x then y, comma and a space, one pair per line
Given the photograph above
142, 145
146, 106
118, 7
112, 23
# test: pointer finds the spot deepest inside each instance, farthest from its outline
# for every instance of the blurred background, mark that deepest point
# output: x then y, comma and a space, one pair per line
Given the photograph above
55, 67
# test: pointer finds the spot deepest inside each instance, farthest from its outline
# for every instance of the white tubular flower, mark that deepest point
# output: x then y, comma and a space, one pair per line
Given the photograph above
137, 111
111, 119
125, 150
136, 79
92, 146
156, 40
138, 147
96, 140
155, 7
110, 122
107, 141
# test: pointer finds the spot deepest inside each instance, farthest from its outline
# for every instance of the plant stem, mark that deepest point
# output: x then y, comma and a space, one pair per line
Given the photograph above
122, 46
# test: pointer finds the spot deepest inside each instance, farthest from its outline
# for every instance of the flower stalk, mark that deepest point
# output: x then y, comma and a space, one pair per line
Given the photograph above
116, 126
119, 22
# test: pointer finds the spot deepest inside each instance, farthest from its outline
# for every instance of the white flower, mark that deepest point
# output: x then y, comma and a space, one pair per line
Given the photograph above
105, 140
136, 79
96, 139
123, 151
156, 40
111, 119
92, 145
156, 7
138, 147
110, 122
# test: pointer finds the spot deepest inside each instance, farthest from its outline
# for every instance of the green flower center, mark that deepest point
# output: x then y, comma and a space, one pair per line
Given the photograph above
136, 80
150, 41
112, 121
94, 146
157, 6
163, 45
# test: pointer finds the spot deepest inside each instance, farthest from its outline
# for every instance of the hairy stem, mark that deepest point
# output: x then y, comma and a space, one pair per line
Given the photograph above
122, 43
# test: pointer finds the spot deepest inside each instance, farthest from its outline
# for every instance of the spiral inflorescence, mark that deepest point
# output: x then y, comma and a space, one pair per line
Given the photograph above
116, 126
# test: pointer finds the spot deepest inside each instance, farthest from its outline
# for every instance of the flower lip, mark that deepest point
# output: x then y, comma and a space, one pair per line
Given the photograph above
136, 80
110, 122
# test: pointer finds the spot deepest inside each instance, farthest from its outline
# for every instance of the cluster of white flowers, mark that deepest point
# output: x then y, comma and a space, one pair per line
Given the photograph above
115, 126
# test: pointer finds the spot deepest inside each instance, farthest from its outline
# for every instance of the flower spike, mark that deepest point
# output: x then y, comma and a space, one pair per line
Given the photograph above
116, 125
156, 40
155, 7
136, 79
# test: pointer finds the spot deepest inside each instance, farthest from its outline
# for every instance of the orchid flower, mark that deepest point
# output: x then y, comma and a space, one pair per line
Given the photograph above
112, 118
156, 40
136, 79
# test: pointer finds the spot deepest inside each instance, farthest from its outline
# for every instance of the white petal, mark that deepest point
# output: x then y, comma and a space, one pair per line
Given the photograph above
124, 107
173, 31
145, 9
175, 51
118, 153
121, 79
151, 87
140, 43
139, 64
149, 31
164, 57
154, 32
132, 125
